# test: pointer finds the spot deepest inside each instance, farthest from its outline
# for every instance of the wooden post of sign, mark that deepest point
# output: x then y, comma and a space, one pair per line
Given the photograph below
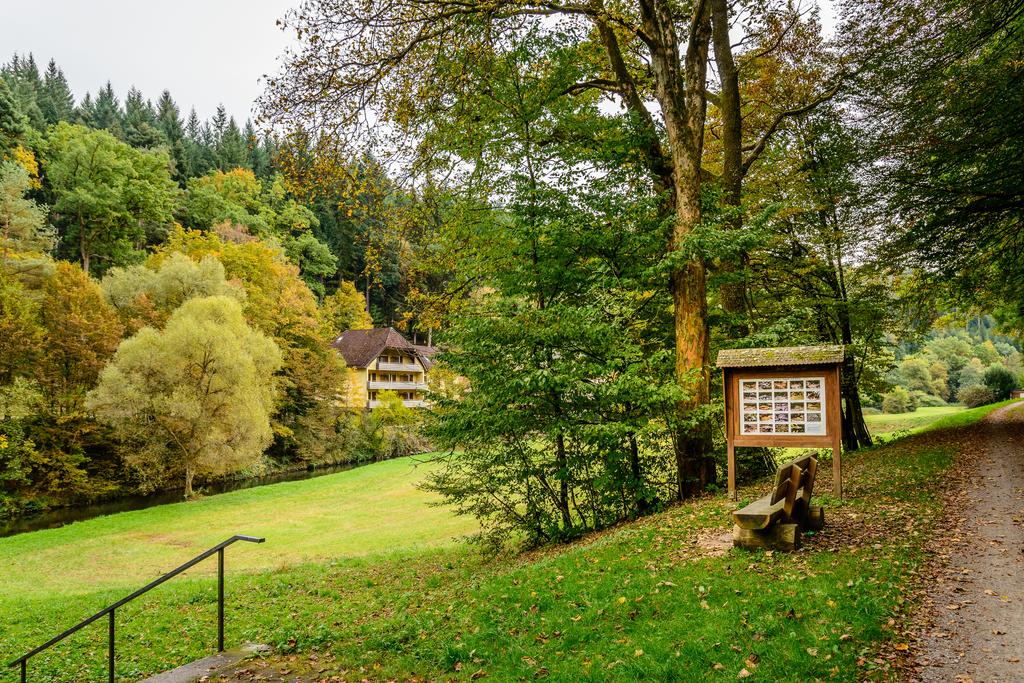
732, 470
730, 430
835, 427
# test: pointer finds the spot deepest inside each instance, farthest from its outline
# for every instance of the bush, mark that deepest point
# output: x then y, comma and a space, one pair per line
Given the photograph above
871, 411
899, 400
999, 381
977, 395
926, 400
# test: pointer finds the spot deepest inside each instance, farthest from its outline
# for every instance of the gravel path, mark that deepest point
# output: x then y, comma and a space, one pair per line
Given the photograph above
975, 607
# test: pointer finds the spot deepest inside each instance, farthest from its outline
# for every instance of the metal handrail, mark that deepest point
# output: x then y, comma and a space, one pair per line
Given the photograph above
109, 610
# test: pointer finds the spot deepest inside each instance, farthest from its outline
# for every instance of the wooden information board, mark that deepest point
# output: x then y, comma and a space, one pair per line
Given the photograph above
783, 398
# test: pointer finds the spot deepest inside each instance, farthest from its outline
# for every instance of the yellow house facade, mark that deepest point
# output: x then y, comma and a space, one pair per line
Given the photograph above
380, 360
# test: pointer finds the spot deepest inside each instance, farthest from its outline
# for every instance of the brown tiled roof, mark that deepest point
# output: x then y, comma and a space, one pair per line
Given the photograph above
426, 354
360, 347
780, 356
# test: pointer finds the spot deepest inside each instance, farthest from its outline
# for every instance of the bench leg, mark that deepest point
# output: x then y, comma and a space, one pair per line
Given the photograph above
784, 537
815, 518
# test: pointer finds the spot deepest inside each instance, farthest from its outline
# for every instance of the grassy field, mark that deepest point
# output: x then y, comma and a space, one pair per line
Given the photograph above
650, 600
369, 511
886, 424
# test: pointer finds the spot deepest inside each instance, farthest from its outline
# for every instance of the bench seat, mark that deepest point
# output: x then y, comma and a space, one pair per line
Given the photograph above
776, 520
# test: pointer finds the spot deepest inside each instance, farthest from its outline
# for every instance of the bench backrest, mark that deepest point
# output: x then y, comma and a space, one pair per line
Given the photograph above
794, 483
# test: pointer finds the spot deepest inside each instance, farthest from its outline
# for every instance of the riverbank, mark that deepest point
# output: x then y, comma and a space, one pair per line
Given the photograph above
365, 576
58, 515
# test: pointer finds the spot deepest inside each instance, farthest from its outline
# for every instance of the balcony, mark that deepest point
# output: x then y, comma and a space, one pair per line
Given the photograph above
396, 386
408, 403
399, 367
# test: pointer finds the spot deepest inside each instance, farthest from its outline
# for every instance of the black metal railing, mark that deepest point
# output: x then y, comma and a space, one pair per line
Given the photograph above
109, 610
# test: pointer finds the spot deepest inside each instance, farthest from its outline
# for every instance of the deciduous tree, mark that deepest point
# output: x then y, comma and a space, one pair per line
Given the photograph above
197, 396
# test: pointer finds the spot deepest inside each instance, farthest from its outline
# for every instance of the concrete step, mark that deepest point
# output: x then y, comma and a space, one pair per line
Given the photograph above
197, 670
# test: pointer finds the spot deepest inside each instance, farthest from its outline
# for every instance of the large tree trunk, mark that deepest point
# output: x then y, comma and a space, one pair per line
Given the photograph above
733, 292
854, 430
680, 89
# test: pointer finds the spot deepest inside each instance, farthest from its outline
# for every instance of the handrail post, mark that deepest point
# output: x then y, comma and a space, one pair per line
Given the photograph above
110, 609
220, 600
110, 648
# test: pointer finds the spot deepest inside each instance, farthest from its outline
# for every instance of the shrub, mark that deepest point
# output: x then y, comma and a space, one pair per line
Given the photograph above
926, 400
977, 395
999, 381
899, 400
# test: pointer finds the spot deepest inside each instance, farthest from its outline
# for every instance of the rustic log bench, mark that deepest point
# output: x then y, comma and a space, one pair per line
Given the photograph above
777, 520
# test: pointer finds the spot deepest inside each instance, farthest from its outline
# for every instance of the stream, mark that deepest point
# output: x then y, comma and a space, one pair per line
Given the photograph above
58, 517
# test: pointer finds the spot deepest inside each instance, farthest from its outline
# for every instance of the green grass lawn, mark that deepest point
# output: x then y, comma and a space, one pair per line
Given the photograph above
886, 424
368, 511
360, 574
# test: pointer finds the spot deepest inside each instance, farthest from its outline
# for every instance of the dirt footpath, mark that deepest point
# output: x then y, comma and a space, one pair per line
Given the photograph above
974, 610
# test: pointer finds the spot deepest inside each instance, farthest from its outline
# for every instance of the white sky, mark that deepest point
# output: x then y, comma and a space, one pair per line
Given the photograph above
206, 52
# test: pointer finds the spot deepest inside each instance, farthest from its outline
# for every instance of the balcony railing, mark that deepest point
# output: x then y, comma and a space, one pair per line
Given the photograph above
399, 367
408, 403
386, 385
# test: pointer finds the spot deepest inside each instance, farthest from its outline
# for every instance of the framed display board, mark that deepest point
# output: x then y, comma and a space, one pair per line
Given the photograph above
783, 397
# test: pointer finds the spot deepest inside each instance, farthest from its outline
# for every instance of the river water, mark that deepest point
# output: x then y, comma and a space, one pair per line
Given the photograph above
52, 519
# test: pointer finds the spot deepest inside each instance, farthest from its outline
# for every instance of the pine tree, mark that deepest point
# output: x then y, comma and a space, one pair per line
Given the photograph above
196, 158
140, 122
168, 118
85, 111
25, 84
13, 123
107, 114
232, 151
258, 156
56, 100
168, 121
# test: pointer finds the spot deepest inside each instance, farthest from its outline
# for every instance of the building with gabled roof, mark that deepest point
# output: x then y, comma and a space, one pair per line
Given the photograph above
381, 359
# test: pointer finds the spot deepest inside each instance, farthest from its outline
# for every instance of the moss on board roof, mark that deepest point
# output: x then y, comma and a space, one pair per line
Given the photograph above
780, 356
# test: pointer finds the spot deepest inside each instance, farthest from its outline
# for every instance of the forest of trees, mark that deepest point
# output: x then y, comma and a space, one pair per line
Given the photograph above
166, 301
581, 202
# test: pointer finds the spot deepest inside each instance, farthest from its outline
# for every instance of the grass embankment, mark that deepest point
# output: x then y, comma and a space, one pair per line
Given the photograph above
888, 424
644, 601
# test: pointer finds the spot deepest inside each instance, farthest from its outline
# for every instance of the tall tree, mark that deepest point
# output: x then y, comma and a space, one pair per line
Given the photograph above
106, 193
55, 99
371, 55
168, 121
14, 124
140, 126
232, 150
943, 93
197, 395
107, 113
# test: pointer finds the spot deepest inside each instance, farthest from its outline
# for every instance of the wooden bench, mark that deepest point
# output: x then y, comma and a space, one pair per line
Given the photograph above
777, 520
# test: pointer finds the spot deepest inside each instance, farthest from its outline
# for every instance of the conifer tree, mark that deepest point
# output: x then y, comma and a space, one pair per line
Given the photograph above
85, 111
107, 114
168, 122
232, 151
56, 100
13, 123
140, 122
25, 84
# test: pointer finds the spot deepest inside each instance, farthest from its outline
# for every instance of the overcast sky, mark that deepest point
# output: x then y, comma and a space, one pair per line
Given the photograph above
206, 52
